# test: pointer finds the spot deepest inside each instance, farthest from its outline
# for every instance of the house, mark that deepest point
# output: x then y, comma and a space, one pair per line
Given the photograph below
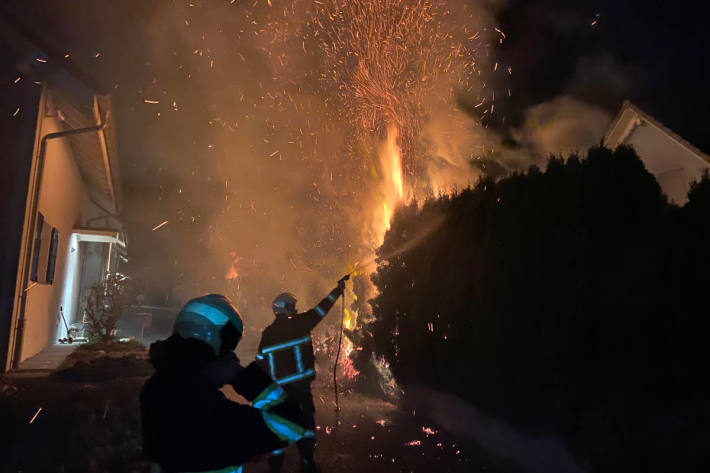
673, 161
61, 194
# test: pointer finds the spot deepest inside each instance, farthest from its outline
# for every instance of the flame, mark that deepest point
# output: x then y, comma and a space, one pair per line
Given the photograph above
393, 185
232, 273
346, 365
347, 323
395, 158
392, 192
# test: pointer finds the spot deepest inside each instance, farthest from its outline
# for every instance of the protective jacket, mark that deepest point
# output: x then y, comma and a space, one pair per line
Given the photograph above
286, 348
188, 424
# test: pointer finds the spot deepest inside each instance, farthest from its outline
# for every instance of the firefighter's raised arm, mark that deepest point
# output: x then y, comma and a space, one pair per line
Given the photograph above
326, 304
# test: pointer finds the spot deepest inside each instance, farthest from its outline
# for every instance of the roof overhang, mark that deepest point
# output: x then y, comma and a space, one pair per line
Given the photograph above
630, 117
96, 235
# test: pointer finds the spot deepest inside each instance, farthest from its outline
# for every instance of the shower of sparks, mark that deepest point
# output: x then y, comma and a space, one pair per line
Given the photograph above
389, 59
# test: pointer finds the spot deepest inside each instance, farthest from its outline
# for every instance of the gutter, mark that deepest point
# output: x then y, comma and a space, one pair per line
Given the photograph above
20, 325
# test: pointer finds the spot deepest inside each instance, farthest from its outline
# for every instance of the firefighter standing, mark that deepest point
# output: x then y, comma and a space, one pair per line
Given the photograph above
188, 424
286, 352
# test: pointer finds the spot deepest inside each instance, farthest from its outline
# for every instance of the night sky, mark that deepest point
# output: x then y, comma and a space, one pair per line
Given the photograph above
601, 52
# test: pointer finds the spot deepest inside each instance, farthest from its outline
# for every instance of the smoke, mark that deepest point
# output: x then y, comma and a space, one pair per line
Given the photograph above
577, 118
262, 151
562, 126
258, 151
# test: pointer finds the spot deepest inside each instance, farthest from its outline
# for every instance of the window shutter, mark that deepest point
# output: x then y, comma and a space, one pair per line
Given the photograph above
52, 262
37, 246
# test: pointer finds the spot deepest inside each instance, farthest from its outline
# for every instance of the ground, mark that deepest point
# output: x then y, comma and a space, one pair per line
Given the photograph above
86, 419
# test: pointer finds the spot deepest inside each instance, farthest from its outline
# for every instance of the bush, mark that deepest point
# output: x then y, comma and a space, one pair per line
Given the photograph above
104, 306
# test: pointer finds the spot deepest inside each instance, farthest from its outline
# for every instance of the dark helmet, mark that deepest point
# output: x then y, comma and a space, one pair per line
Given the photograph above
284, 304
212, 319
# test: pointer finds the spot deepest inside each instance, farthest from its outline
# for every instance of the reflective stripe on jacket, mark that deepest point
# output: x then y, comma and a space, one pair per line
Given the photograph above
286, 348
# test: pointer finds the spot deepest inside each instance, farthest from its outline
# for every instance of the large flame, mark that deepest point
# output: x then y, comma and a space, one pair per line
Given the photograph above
395, 162
393, 182
392, 192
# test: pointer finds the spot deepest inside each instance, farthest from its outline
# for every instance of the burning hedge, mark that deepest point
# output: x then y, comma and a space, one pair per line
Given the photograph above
568, 301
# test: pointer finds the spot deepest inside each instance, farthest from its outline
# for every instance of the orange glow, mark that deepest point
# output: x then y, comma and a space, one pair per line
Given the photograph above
232, 273
393, 185
395, 158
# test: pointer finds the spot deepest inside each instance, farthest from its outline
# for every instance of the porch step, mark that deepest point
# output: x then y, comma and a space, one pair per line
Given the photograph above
46, 361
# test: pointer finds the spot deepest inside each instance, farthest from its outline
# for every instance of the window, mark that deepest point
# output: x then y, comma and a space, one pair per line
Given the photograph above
38, 246
52, 262
44, 253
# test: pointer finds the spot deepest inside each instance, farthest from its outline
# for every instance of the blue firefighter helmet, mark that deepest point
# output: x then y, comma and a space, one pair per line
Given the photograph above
284, 304
212, 319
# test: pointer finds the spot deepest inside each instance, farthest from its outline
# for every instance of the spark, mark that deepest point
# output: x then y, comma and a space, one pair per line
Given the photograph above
413, 443
17, 79
30, 286
35, 415
17, 110
160, 225
152, 102
42, 60
428, 430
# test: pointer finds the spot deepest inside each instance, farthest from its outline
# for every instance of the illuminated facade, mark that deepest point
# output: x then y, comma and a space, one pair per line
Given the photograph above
673, 161
61, 199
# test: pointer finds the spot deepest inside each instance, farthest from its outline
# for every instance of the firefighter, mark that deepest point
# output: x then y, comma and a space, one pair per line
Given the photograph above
188, 424
286, 352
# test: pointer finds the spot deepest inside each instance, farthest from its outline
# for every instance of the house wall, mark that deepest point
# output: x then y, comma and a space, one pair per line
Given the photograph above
17, 134
62, 201
674, 166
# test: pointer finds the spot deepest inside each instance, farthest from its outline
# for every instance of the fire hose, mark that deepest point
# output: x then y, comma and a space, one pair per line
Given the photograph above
340, 346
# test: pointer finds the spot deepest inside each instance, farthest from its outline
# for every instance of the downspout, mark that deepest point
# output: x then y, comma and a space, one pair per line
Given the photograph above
20, 325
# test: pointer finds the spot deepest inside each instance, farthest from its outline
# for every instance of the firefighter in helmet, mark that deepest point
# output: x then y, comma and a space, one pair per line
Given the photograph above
188, 424
286, 352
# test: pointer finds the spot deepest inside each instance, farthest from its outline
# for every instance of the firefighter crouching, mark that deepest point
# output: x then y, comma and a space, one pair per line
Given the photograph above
188, 424
286, 352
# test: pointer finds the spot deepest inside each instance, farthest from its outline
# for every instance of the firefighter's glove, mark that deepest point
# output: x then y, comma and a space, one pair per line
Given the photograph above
341, 283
